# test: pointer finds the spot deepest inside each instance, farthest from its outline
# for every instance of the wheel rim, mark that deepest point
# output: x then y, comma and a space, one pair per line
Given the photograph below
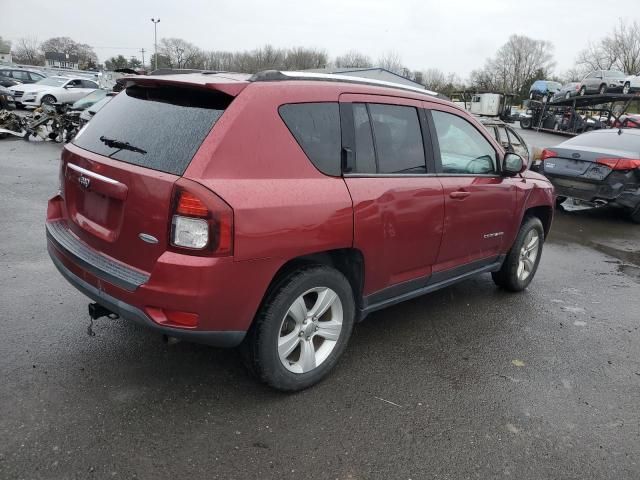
602, 90
528, 255
626, 88
310, 330
567, 96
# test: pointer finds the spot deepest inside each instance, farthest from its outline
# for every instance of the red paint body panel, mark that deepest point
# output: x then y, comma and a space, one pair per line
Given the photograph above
398, 227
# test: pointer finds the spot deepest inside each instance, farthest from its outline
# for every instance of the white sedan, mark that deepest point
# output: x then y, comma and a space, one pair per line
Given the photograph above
53, 90
631, 84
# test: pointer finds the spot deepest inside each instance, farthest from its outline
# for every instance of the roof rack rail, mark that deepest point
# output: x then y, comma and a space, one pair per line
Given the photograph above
278, 75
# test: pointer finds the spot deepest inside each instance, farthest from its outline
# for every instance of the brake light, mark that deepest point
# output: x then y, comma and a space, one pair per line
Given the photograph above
190, 205
201, 222
620, 163
546, 153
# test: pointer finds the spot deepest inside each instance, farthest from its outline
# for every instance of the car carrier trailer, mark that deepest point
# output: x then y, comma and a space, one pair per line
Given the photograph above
578, 114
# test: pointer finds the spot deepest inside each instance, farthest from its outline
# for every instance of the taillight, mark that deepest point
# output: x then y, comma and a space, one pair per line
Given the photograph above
620, 163
546, 153
201, 222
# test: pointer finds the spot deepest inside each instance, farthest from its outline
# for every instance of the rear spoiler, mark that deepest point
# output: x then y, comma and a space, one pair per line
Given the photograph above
229, 87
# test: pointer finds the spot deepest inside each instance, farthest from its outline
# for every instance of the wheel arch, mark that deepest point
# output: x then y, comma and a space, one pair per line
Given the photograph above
348, 261
544, 213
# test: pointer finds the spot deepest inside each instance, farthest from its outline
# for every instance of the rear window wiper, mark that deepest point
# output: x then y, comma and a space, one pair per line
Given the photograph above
120, 145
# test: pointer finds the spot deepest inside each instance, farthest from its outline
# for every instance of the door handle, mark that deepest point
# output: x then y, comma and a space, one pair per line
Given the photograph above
459, 195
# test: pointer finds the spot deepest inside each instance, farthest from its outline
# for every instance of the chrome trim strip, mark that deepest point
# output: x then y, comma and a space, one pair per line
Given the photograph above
89, 173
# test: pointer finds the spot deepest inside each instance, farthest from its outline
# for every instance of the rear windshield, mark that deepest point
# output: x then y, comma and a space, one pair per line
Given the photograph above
609, 139
154, 127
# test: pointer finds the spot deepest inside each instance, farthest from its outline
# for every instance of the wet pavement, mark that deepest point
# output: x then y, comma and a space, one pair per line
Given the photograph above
467, 382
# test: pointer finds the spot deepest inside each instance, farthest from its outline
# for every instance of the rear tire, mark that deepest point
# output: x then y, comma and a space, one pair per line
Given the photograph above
567, 96
626, 89
288, 347
523, 259
603, 89
583, 91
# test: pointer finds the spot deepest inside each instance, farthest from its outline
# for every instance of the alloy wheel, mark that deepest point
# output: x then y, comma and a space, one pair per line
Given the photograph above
528, 255
310, 330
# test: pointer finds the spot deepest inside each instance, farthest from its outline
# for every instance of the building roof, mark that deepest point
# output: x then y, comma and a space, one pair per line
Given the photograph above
61, 57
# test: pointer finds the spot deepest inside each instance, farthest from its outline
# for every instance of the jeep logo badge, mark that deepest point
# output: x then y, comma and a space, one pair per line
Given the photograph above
84, 181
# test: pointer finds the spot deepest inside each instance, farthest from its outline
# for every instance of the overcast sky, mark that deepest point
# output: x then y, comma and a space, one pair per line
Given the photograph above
452, 35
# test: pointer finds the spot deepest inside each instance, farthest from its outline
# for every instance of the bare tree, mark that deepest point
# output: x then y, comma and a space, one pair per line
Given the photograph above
515, 66
353, 59
27, 50
601, 56
626, 41
620, 49
391, 61
434, 79
86, 56
180, 53
300, 58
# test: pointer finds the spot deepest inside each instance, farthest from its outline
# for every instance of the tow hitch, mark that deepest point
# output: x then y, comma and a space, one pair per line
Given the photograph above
97, 311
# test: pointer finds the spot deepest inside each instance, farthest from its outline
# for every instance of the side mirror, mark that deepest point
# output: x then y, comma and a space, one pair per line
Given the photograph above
513, 164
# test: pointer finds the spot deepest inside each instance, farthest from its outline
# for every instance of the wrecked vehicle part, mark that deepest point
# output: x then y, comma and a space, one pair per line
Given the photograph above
12, 124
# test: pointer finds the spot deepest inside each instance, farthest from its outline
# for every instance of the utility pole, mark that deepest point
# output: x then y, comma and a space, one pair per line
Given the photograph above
142, 51
155, 38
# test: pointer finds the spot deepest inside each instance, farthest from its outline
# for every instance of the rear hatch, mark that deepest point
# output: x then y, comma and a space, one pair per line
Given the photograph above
117, 177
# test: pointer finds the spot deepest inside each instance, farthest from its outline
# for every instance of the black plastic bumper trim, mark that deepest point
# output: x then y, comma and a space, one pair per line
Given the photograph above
92, 261
214, 338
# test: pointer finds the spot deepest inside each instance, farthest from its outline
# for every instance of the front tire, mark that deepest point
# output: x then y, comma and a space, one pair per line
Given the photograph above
603, 89
626, 89
522, 261
525, 123
583, 91
48, 100
301, 329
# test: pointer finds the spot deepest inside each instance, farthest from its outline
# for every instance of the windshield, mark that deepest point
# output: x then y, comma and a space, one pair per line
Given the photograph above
554, 86
52, 81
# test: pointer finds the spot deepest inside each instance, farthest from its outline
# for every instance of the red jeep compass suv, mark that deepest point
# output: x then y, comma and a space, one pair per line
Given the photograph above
275, 211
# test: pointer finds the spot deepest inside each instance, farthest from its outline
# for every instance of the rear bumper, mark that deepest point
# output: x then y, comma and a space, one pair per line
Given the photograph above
615, 189
129, 312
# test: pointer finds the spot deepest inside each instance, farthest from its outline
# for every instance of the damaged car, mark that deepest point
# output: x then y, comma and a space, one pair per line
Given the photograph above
598, 168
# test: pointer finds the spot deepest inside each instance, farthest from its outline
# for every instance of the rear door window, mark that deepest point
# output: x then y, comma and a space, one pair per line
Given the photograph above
398, 139
156, 127
316, 128
365, 152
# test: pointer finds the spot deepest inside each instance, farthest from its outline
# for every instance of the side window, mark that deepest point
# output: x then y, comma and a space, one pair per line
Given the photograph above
316, 128
365, 153
88, 84
398, 139
463, 149
35, 77
22, 76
